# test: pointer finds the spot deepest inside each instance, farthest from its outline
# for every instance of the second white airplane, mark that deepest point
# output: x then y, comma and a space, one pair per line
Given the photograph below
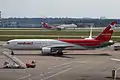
60, 27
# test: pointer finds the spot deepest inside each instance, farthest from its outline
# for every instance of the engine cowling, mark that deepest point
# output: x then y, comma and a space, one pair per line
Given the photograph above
46, 50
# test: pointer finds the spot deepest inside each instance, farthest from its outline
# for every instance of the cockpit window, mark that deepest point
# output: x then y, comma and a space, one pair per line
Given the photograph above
8, 43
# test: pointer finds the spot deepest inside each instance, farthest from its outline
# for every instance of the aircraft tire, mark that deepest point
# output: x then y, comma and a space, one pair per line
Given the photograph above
60, 53
12, 53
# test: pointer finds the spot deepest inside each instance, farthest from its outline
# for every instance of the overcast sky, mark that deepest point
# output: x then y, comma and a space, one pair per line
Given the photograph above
60, 8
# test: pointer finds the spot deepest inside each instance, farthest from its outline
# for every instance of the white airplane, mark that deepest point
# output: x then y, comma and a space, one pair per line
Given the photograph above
64, 26
56, 46
60, 27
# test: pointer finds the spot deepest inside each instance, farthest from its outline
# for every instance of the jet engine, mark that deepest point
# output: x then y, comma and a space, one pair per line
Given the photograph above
46, 50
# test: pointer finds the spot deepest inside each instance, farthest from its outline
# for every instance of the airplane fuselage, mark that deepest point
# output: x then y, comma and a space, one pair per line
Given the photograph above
38, 44
67, 26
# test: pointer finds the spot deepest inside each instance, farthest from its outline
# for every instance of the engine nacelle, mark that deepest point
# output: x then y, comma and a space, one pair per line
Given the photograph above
46, 50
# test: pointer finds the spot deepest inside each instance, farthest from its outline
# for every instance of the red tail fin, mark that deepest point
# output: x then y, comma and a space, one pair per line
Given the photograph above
47, 26
44, 25
107, 33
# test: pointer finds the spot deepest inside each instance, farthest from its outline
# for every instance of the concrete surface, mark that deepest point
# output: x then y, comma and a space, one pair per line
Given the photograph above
73, 65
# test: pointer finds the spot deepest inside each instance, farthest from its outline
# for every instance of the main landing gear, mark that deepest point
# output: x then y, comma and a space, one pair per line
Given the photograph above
59, 53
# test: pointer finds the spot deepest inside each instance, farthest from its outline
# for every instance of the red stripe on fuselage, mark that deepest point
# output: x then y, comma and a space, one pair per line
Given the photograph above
82, 42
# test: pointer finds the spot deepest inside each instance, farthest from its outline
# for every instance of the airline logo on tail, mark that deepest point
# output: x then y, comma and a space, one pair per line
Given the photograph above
107, 33
45, 25
113, 24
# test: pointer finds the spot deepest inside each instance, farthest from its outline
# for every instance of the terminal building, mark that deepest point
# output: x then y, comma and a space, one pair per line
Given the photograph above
36, 22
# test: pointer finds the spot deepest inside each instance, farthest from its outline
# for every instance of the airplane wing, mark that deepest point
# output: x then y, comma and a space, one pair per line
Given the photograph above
53, 49
59, 46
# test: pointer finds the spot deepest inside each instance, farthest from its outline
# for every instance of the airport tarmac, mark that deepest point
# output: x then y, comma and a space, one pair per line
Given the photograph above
73, 65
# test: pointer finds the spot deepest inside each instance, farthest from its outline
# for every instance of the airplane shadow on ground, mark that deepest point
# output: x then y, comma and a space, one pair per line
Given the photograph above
51, 55
103, 54
117, 78
64, 55
11, 68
